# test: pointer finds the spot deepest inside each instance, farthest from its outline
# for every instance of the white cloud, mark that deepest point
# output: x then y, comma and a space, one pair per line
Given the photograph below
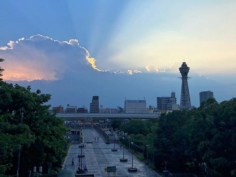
41, 57
137, 71
130, 72
152, 68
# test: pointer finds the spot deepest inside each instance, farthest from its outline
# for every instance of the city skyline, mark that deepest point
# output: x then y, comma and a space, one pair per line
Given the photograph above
119, 47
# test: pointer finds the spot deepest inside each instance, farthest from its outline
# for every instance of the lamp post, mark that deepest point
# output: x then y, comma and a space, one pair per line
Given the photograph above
39, 173
81, 135
147, 154
114, 149
123, 148
80, 158
123, 159
132, 169
132, 155
81, 155
129, 142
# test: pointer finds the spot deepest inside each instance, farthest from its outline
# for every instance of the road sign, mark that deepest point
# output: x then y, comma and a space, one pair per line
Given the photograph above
111, 169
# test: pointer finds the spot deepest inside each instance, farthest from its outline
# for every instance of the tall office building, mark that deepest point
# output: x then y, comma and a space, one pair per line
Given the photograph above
205, 95
94, 106
135, 106
166, 103
185, 102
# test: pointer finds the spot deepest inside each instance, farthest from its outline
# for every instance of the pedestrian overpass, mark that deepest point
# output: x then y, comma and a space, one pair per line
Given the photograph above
100, 116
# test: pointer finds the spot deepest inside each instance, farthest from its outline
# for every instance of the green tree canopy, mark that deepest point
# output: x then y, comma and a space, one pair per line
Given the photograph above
27, 126
136, 127
199, 141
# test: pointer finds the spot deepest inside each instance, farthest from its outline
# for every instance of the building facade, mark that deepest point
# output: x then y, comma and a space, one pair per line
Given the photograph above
108, 110
185, 102
71, 109
82, 110
135, 106
94, 106
58, 109
205, 95
166, 103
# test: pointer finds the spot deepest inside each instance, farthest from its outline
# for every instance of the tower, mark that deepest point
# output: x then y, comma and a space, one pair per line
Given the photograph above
185, 102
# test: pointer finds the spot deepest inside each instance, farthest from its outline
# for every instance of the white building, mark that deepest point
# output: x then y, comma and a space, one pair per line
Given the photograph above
71, 109
135, 106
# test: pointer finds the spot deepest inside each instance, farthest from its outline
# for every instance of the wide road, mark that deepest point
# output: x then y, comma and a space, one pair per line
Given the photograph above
98, 156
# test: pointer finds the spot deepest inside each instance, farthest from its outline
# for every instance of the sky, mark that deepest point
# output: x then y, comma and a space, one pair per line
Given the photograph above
123, 49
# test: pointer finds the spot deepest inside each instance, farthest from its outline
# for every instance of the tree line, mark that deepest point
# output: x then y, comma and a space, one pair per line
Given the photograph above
29, 135
201, 141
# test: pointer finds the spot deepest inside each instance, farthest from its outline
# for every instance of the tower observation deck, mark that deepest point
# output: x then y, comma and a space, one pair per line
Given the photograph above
185, 102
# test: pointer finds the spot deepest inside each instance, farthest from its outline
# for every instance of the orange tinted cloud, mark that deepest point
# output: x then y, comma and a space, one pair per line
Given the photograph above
40, 57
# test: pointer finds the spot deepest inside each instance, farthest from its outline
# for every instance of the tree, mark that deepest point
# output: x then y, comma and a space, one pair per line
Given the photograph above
199, 141
116, 124
1, 69
136, 127
27, 126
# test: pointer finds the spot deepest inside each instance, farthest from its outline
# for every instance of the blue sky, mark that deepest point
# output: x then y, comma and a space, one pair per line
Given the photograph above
142, 40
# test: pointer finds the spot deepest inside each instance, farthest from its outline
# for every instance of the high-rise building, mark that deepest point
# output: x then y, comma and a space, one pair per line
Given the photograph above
94, 106
205, 95
135, 106
185, 102
165, 103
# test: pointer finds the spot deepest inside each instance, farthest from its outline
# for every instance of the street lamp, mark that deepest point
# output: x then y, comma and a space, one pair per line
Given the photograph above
123, 159
81, 135
132, 169
39, 173
147, 154
114, 149
80, 157
129, 142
